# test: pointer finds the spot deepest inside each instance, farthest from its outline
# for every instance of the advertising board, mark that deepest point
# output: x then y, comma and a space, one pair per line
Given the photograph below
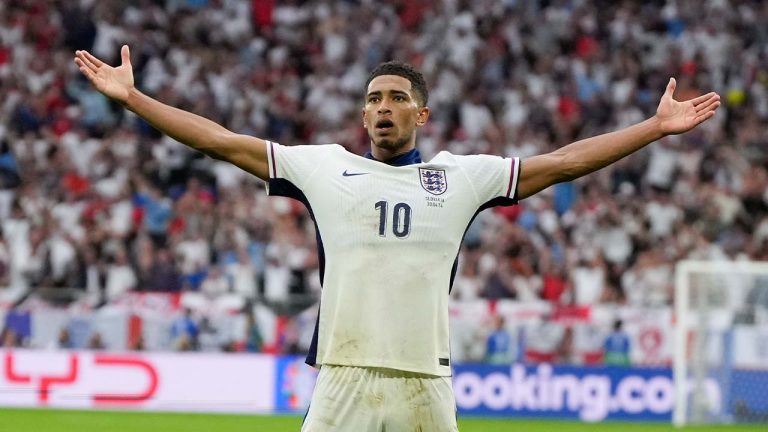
147, 381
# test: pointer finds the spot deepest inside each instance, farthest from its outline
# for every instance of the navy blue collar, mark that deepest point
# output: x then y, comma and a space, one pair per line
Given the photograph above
410, 158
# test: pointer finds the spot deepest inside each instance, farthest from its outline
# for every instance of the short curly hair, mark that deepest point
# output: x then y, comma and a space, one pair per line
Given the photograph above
406, 71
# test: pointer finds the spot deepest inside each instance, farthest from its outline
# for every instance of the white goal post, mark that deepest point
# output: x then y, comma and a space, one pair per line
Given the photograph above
712, 299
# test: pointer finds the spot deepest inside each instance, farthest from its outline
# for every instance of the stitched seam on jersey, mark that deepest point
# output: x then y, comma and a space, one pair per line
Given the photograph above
274, 168
471, 185
294, 192
309, 177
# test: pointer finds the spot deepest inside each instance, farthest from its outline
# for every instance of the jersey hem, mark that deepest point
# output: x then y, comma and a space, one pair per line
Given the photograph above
362, 363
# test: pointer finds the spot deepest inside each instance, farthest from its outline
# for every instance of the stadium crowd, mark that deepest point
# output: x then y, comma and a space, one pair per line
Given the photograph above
94, 199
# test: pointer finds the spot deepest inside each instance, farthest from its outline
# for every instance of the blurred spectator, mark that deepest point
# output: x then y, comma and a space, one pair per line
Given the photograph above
588, 279
194, 253
138, 345
185, 332
555, 286
662, 165
649, 281
64, 340
9, 338
5, 260
243, 275
120, 277
617, 346
93, 273
156, 214
18, 327
277, 275
288, 338
9, 167
613, 239
662, 215
163, 275
468, 282
208, 336
254, 341
515, 277
499, 347
544, 341
215, 283
95, 342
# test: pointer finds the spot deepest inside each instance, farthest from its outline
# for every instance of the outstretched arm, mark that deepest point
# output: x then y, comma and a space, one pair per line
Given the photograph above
591, 154
201, 134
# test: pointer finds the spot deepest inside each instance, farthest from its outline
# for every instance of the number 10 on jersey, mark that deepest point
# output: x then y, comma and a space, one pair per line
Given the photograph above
401, 219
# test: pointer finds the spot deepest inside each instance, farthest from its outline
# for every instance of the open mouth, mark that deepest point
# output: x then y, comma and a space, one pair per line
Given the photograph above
384, 125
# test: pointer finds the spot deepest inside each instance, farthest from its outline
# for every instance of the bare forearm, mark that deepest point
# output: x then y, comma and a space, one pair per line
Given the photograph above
583, 157
591, 154
188, 128
201, 134
588, 155
246, 152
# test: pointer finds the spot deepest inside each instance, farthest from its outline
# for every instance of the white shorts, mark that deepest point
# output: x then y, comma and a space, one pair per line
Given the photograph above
362, 399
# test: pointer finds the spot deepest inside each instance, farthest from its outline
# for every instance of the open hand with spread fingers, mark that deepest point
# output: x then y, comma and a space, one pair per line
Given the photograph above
114, 82
677, 117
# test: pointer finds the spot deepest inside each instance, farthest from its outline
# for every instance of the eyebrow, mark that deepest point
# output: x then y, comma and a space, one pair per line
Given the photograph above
394, 92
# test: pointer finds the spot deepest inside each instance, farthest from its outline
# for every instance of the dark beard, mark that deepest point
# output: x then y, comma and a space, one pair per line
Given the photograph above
390, 144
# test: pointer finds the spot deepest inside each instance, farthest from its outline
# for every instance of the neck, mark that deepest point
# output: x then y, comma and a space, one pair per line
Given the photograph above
400, 159
385, 154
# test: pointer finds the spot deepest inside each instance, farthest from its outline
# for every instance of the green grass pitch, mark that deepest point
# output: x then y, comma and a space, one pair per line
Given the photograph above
39, 420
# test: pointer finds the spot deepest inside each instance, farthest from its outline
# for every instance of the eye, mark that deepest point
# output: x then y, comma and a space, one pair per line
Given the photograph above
373, 99
399, 98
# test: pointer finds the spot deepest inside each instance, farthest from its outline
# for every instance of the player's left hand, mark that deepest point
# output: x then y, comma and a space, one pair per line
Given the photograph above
677, 117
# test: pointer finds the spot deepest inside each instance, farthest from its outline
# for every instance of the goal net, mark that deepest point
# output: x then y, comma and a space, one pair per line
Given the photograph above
721, 342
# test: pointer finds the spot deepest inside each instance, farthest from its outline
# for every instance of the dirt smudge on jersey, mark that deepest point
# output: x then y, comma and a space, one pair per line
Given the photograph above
374, 399
423, 419
348, 347
418, 402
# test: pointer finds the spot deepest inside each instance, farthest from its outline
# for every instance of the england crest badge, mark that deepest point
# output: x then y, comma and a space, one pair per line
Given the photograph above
433, 181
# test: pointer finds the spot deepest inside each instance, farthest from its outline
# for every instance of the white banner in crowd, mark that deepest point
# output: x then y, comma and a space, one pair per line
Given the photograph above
150, 381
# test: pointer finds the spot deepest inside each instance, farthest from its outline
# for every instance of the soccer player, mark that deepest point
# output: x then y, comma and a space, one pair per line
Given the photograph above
389, 227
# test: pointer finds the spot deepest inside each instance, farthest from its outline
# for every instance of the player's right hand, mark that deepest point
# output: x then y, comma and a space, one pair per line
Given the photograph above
114, 82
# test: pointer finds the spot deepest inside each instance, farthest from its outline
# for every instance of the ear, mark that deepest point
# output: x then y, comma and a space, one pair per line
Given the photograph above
365, 117
422, 116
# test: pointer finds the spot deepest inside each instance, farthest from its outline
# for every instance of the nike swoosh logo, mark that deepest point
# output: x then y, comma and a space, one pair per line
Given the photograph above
349, 174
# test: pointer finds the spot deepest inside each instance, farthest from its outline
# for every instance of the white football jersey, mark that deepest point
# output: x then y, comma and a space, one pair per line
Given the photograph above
388, 239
